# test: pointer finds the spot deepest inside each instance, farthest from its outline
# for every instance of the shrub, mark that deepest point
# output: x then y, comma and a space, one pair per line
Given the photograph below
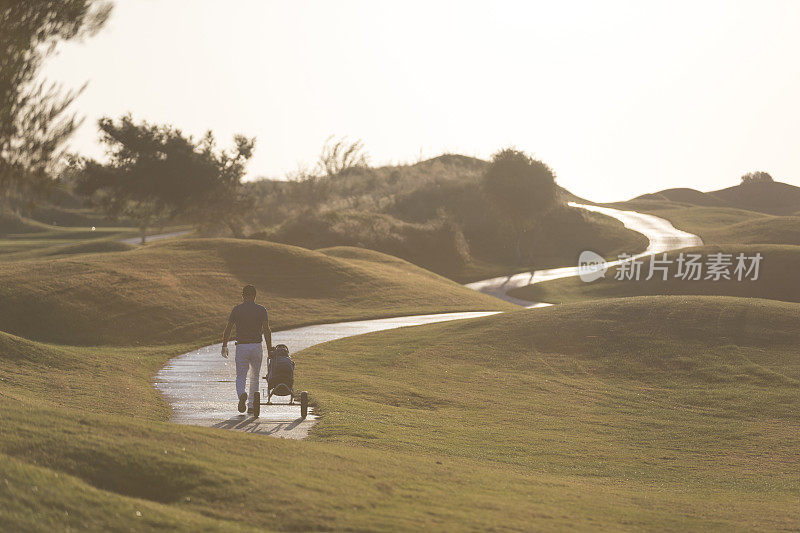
433, 244
758, 176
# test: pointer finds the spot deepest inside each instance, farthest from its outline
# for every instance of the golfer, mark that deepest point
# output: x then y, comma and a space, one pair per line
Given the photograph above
251, 321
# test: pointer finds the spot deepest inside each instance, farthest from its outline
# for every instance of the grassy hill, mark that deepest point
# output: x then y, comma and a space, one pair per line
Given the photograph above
14, 223
749, 213
762, 230
773, 198
663, 402
777, 280
58, 207
183, 290
685, 196
441, 245
723, 225
620, 414
22, 236
433, 213
702, 221
435, 245
49, 240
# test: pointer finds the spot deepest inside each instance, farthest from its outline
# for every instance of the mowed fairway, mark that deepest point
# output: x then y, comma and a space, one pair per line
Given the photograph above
650, 412
723, 225
700, 220
663, 412
85, 441
668, 412
763, 230
182, 291
777, 280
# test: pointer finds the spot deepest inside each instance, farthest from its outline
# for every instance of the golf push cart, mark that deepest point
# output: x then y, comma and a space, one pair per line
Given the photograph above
280, 381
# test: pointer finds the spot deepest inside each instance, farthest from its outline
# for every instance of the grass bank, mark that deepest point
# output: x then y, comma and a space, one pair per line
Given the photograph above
482, 250
680, 412
777, 279
182, 291
722, 225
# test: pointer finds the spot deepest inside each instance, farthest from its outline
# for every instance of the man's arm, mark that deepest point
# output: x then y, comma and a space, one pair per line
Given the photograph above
267, 334
226, 335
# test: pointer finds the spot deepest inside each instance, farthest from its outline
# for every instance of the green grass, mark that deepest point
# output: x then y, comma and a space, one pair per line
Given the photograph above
440, 247
13, 223
778, 280
61, 248
606, 235
722, 225
23, 238
677, 399
561, 242
763, 230
774, 198
700, 220
48, 239
41, 499
182, 290
660, 412
433, 244
685, 196
654, 412
433, 214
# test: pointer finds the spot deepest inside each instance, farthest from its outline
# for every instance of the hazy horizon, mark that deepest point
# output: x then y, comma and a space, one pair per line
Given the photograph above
619, 98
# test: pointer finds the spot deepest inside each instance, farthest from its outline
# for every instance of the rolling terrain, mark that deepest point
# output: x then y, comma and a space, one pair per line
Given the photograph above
777, 279
679, 410
753, 213
182, 291
433, 213
774, 198
609, 415
85, 441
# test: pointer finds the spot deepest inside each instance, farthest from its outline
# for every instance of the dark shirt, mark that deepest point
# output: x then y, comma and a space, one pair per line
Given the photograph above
248, 317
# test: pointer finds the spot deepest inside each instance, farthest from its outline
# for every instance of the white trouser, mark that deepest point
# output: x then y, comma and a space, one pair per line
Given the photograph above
248, 357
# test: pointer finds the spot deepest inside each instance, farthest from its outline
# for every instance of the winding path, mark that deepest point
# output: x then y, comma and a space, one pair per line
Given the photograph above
663, 237
156, 237
199, 385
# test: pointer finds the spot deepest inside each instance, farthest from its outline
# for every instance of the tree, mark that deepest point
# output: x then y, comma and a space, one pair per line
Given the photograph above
522, 189
758, 176
156, 173
219, 195
33, 119
342, 155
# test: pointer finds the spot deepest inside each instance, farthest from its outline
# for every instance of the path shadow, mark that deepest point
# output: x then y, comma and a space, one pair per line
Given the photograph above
236, 422
261, 426
510, 277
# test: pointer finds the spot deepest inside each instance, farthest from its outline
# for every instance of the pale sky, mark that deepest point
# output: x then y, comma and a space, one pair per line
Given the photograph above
618, 97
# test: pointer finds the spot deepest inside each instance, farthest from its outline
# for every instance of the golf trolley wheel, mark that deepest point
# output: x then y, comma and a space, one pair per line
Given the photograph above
303, 404
256, 404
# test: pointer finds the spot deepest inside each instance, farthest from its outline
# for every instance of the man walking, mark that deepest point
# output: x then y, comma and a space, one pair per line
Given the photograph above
251, 321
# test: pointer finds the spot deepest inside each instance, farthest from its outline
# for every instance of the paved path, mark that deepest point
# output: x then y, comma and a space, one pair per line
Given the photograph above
157, 237
663, 237
199, 385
